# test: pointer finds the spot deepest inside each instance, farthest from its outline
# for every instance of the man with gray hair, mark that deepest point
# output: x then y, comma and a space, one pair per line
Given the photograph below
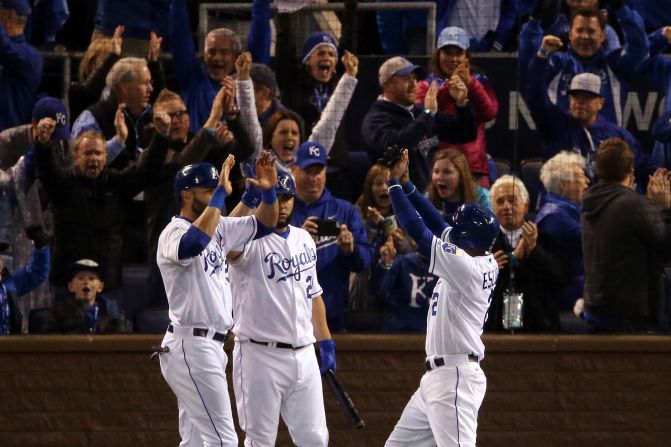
524, 264
558, 223
126, 108
200, 81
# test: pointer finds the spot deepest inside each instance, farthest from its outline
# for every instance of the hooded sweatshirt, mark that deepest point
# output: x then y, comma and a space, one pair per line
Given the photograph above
624, 237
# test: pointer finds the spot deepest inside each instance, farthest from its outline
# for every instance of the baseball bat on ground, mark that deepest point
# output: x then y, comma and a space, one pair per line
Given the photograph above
343, 399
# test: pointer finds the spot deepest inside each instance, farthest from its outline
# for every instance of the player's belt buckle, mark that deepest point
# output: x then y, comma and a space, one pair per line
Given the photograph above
440, 361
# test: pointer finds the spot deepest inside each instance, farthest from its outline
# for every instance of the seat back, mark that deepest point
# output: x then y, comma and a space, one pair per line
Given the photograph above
530, 172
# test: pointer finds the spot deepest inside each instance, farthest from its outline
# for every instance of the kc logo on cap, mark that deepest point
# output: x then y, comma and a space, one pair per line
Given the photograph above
314, 151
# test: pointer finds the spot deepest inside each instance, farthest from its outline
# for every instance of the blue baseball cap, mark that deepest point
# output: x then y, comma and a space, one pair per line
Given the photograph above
316, 40
53, 108
453, 35
310, 153
22, 7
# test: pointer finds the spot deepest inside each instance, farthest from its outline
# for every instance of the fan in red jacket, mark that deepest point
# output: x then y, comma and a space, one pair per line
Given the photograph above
453, 58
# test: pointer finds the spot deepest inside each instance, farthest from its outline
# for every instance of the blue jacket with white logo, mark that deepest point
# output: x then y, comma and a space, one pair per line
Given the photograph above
406, 288
615, 68
560, 131
333, 267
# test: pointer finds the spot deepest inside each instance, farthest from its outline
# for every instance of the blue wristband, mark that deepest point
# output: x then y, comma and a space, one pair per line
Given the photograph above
251, 197
218, 197
269, 196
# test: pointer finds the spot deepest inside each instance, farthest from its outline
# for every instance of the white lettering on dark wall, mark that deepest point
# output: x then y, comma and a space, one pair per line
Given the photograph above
643, 113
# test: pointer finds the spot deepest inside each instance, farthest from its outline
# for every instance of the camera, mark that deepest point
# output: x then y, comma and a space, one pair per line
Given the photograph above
327, 227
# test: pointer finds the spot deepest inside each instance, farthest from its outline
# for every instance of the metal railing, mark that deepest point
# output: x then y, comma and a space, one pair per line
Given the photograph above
430, 7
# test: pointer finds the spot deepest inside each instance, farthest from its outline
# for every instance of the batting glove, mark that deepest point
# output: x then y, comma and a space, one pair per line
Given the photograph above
327, 355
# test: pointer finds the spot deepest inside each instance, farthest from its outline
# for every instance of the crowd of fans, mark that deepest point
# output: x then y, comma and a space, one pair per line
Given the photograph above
81, 201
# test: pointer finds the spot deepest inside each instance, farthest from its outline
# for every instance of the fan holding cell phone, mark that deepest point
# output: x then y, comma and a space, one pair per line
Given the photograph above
336, 225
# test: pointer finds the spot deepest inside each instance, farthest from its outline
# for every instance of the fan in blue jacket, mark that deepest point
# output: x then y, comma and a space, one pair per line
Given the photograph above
586, 54
199, 81
339, 255
658, 70
21, 281
583, 128
20, 65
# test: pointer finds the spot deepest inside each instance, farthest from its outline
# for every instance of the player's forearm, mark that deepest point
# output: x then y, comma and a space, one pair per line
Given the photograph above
209, 219
432, 217
319, 326
268, 210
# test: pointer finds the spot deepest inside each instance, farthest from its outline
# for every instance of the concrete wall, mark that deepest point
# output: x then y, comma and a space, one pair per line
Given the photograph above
545, 391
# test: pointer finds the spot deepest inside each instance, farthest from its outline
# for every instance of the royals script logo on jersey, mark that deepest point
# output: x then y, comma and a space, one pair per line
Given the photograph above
213, 258
283, 268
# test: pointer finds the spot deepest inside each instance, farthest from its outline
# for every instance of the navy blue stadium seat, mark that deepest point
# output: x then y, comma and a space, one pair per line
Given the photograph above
503, 167
153, 320
530, 172
135, 291
39, 320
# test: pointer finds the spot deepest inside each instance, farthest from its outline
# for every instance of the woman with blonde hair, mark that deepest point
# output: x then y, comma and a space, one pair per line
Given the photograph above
452, 183
98, 60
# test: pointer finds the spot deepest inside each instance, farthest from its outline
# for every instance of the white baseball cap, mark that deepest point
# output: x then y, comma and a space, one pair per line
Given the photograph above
586, 82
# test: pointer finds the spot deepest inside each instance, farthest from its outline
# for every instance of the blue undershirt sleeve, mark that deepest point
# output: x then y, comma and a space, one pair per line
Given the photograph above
192, 243
409, 220
432, 217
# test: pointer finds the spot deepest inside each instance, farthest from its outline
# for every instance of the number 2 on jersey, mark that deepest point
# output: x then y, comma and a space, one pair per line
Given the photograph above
434, 303
309, 287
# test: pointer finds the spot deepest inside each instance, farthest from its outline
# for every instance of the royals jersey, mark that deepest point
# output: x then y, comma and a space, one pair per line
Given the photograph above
459, 303
274, 281
198, 288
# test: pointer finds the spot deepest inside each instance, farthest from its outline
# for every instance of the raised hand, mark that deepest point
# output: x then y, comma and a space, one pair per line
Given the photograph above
266, 174
154, 47
223, 134
345, 240
374, 215
226, 167
551, 44
399, 168
117, 40
44, 130
243, 65
530, 236
464, 72
659, 189
217, 110
162, 123
501, 258
228, 101
310, 225
120, 124
666, 32
351, 63
388, 251
431, 97
458, 90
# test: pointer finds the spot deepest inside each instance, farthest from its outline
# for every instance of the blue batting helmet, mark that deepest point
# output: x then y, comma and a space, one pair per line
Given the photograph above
196, 175
474, 227
285, 184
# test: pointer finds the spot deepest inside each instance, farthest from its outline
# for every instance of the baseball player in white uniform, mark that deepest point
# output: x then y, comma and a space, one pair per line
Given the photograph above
191, 256
444, 409
279, 313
